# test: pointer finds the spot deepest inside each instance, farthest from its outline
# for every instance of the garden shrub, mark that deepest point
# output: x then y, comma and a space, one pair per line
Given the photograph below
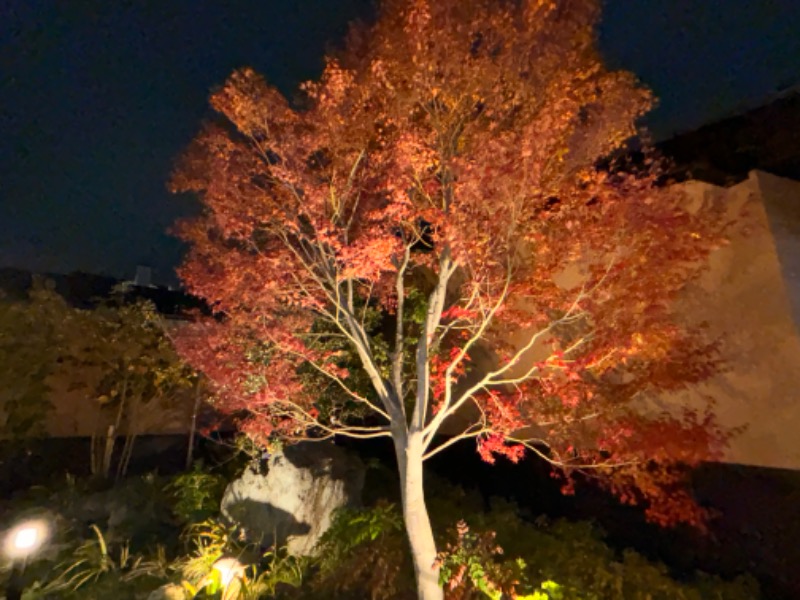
196, 494
363, 555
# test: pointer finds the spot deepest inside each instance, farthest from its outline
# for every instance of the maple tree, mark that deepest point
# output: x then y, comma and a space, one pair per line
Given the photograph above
426, 243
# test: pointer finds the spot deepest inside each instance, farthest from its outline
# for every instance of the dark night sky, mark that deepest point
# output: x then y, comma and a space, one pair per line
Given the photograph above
97, 97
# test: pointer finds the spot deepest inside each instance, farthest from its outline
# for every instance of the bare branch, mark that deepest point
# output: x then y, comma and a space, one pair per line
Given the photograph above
528, 443
464, 435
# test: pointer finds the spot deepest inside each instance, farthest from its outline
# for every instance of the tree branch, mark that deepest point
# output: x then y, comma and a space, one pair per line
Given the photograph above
436, 422
432, 319
399, 341
464, 435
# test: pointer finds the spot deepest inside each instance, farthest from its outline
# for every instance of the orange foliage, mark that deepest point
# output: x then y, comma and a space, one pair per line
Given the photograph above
460, 141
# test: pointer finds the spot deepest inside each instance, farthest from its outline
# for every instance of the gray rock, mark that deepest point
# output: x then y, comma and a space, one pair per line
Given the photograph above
293, 503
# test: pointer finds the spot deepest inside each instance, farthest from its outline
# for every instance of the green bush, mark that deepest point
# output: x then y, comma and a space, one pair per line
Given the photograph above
575, 555
364, 554
196, 494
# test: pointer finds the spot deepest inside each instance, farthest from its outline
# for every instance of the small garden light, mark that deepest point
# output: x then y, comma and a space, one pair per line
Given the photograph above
229, 569
20, 543
26, 539
227, 576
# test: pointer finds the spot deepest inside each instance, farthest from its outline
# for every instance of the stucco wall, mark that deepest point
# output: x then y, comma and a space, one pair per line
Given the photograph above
75, 414
744, 299
781, 199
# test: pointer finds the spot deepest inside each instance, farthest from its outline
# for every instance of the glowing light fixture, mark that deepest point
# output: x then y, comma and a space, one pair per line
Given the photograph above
25, 539
229, 569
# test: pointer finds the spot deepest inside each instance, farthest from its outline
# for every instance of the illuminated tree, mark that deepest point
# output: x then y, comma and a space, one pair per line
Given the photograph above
436, 198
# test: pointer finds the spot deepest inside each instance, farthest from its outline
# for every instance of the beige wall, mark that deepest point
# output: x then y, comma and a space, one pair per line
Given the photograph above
74, 414
781, 199
744, 299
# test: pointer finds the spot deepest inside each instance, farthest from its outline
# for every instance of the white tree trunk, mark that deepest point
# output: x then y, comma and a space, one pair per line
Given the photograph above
415, 515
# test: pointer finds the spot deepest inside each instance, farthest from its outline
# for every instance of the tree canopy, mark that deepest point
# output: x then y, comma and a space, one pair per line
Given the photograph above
434, 197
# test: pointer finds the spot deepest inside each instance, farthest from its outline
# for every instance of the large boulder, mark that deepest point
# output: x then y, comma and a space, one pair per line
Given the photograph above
293, 503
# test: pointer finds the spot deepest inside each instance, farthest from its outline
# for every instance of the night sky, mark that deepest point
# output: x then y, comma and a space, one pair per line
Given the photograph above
98, 97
